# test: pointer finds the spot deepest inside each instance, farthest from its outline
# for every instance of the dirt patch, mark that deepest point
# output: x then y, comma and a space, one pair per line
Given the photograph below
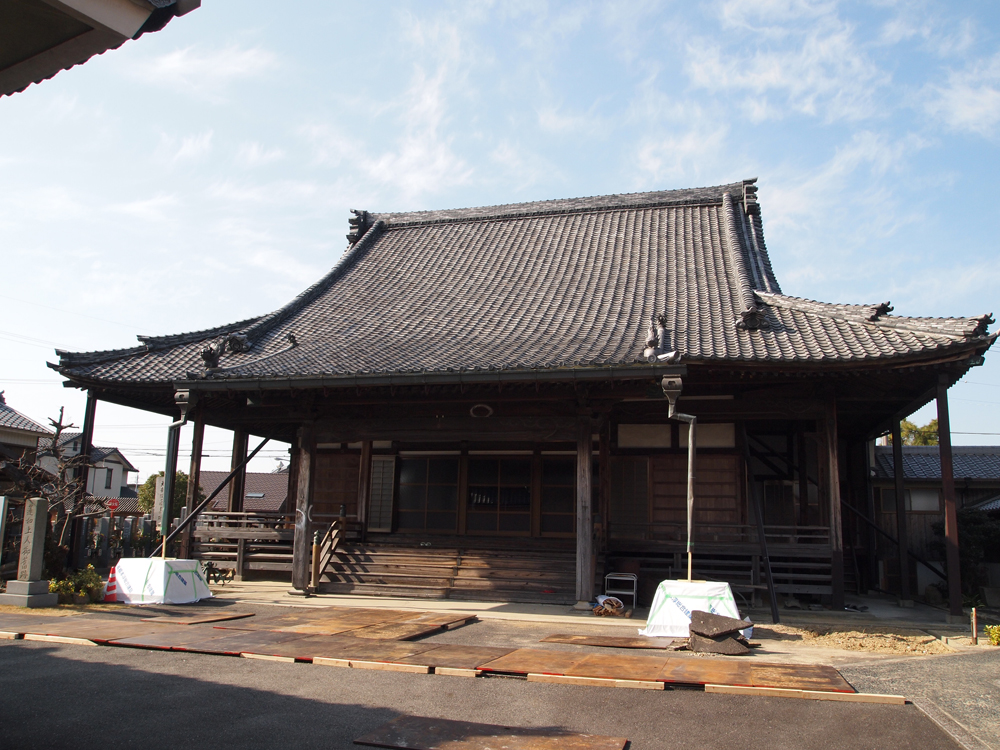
60, 610
878, 640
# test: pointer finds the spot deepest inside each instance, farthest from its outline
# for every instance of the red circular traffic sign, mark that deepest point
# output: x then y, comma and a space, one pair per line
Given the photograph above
113, 503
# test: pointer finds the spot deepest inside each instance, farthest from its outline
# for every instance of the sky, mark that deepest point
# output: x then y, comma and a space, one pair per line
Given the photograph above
204, 174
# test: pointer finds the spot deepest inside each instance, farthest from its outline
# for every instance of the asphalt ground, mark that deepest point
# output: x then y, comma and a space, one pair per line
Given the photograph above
56, 696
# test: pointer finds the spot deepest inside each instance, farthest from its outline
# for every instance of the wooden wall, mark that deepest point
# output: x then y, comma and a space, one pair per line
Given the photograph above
335, 482
717, 494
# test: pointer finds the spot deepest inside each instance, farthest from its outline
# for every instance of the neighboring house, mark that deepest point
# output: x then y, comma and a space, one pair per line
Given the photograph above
39, 38
264, 493
18, 433
499, 377
977, 485
108, 476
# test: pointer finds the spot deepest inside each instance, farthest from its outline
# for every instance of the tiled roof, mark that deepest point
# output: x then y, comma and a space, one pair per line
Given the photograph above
923, 462
127, 506
97, 453
273, 487
543, 286
14, 420
988, 505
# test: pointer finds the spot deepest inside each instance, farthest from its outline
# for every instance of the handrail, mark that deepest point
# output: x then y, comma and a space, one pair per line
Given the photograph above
325, 547
892, 539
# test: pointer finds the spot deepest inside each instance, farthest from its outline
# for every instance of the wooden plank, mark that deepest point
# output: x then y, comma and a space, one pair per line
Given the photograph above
310, 647
170, 640
8, 636
96, 629
196, 619
324, 661
610, 641
456, 672
560, 679
268, 657
390, 666
821, 695
369, 650
420, 733
451, 656
58, 639
533, 660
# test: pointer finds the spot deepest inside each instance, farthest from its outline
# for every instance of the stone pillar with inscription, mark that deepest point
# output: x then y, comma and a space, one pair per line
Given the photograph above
29, 590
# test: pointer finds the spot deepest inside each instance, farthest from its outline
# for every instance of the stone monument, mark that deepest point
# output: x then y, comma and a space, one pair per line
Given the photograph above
29, 590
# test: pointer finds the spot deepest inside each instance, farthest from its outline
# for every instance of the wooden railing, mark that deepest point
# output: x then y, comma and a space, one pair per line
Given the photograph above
245, 541
720, 534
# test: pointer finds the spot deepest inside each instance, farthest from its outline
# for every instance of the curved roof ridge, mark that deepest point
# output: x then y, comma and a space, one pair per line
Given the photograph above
961, 328
711, 194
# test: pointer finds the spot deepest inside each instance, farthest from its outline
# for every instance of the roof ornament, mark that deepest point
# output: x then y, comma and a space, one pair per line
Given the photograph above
656, 342
750, 197
360, 223
981, 329
238, 342
753, 319
877, 311
3, 401
212, 353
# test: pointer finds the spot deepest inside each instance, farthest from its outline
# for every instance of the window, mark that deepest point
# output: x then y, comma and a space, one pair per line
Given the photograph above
629, 496
428, 494
499, 498
108, 477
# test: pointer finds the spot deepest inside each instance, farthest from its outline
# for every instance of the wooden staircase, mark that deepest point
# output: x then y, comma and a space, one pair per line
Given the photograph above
451, 573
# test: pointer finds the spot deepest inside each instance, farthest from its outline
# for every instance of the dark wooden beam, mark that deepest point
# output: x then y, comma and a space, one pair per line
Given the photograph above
584, 516
238, 486
364, 482
899, 480
169, 477
833, 490
948, 490
194, 477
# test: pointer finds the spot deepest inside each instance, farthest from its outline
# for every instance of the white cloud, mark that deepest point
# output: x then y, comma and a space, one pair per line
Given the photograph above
689, 155
970, 100
193, 147
524, 168
253, 154
805, 59
148, 209
205, 72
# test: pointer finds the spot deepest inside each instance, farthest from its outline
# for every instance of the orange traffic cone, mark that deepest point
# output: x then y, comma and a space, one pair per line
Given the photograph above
111, 590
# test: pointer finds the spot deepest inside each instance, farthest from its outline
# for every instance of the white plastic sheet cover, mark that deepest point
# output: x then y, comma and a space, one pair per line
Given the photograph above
159, 581
670, 615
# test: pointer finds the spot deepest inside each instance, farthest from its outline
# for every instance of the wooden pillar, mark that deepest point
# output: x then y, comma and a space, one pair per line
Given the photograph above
950, 511
194, 478
302, 543
802, 470
169, 478
873, 581
238, 484
899, 481
293, 478
364, 482
584, 517
833, 490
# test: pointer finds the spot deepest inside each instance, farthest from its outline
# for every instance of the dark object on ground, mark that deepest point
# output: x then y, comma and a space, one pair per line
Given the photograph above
724, 644
215, 574
419, 733
712, 625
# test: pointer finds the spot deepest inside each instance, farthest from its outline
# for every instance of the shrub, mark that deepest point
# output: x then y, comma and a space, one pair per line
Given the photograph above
88, 581
993, 633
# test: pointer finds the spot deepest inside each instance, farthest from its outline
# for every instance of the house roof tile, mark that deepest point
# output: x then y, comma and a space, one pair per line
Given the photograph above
920, 462
543, 286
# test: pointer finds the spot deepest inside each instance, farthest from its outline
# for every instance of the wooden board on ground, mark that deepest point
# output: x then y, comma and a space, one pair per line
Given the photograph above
447, 620
99, 630
614, 667
197, 619
260, 642
611, 641
396, 631
175, 639
419, 733
21, 624
450, 656
536, 660
816, 695
309, 647
370, 650
700, 670
798, 677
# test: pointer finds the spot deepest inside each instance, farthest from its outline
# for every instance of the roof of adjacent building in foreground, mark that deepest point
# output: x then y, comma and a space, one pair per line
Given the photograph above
263, 493
12, 419
553, 285
923, 463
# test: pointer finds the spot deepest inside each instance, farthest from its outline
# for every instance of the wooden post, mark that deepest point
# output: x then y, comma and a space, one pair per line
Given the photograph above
903, 548
873, 581
948, 490
802, 469
238, 485
169, 479
293, 478
241, 545
194, 478
364, 483
302, 543
584, 518
836, 528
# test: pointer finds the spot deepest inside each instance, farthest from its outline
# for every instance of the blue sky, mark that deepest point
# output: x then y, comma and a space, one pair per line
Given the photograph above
203, 174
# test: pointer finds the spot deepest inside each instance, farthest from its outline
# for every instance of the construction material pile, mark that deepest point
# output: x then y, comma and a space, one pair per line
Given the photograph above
715, 634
